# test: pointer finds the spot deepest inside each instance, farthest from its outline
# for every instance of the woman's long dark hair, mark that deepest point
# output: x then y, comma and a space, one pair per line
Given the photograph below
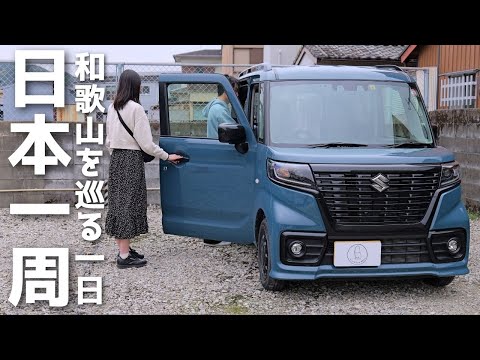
128, 89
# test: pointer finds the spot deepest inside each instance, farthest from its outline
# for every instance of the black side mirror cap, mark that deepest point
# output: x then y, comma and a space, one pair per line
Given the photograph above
231, 133
435, 132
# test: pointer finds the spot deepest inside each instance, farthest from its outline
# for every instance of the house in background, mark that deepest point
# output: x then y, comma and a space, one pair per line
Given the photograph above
242, 55
206, 56
372, 55
458, 72
280, 54
447, 75
366, 55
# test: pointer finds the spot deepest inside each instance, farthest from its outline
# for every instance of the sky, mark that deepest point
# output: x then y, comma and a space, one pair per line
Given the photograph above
113, 53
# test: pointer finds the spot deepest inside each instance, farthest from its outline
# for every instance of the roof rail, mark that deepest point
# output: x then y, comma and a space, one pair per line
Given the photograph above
395, 67
263, 66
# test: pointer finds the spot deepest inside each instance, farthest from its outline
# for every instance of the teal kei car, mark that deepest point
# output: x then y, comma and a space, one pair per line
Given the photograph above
332, 171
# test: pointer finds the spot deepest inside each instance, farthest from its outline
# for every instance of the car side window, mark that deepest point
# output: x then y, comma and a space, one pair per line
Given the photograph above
243, 94
257, 121
196, 110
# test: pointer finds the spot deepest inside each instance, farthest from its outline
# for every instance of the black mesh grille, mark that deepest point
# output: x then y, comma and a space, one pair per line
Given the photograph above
394, 251
352, 200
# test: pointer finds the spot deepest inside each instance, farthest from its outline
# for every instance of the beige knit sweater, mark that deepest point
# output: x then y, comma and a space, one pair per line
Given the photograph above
134, 117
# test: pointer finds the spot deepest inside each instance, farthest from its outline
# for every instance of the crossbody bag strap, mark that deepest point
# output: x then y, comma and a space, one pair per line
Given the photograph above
125, 125
129, 131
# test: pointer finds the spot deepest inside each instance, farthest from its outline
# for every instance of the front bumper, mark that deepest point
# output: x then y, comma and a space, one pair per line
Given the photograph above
450, 213
287, 272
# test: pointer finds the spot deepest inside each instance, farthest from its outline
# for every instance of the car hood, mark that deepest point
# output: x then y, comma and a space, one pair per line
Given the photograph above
361, 155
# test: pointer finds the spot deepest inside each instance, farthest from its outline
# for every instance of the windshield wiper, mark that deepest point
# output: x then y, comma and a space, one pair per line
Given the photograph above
409, 144
336, 144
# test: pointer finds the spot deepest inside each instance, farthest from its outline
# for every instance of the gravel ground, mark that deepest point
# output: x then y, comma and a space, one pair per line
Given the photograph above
185, 277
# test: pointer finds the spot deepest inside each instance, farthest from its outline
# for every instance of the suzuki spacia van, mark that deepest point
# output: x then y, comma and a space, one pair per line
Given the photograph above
332, 171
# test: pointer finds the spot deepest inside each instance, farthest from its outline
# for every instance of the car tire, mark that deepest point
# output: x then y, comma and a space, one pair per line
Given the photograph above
439, 281
264, 260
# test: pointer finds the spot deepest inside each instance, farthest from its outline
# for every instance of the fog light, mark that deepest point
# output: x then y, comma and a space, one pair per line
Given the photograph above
297, 248
453, 246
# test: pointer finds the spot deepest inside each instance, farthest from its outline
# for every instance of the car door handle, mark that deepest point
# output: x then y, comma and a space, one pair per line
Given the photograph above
182, 161
185, 159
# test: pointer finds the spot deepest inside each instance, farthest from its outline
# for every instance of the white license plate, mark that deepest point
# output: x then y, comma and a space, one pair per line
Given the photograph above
357, 253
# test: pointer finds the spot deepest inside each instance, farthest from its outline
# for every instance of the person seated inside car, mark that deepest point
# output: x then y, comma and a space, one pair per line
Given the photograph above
217, 111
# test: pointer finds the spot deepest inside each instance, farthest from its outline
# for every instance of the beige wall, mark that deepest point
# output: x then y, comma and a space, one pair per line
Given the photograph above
241, 54
306, 58
227, 54
281, 54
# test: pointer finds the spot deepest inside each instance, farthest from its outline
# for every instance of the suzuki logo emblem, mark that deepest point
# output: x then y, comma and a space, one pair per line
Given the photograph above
380, 182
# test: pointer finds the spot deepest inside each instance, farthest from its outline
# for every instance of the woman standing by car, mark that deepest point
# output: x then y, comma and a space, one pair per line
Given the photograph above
127, 190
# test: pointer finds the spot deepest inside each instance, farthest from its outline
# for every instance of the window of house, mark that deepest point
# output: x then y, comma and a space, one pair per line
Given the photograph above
256, 56
458, 91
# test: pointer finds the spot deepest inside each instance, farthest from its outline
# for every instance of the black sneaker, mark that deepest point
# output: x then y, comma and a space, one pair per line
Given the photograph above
130, 261
135, 254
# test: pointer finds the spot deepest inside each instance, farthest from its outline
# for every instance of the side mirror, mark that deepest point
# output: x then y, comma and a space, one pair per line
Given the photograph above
231, 133
435, 132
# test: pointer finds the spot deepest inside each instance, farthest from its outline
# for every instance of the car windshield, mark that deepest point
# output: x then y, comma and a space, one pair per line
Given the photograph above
347, 113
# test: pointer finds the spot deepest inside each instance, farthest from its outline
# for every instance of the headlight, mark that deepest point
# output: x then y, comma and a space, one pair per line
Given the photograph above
296, 175
450, 174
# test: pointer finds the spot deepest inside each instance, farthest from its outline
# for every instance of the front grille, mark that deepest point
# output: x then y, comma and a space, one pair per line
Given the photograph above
394, 251
351, 199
